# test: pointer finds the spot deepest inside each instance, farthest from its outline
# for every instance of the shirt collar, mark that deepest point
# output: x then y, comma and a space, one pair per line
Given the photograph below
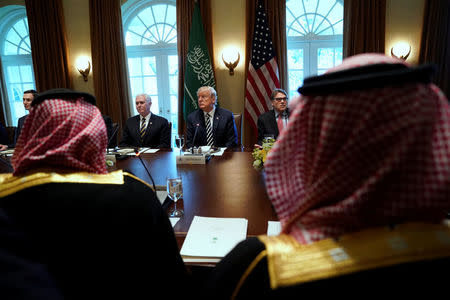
284, 114
211, 113
146, 118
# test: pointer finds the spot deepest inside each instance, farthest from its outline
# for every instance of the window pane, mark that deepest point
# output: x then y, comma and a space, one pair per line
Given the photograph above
21, 29
159, 11
173, 84
295, 81
134, 66
325, 58
173, 64
295, 58
337, 56
174, 104
13, 37
136, 85
150, 85
132, 39
28, 86
155, 105
13, 74
26, 73
149, 65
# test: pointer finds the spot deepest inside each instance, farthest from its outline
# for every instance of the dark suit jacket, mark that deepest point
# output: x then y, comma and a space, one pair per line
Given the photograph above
19, 261
224, 129
267, 125
109, 130
100, 241
17, 131
4, 140
157, 134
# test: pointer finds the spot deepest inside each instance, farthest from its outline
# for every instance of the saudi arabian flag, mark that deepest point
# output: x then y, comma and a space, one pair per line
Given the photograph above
199, 70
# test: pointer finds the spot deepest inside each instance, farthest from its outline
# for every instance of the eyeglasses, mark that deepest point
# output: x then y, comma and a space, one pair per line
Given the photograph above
280, 99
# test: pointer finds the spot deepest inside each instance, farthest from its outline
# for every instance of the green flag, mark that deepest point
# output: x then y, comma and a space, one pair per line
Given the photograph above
199, 70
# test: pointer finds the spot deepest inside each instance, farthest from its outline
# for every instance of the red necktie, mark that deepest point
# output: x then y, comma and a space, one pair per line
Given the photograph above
280, 123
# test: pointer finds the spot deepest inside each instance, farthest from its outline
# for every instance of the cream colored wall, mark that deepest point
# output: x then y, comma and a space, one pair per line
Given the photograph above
404, 19
76, 14
228, 21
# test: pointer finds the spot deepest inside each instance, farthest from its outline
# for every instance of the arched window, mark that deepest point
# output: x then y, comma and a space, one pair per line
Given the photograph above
151, 44
16, 60
314, 38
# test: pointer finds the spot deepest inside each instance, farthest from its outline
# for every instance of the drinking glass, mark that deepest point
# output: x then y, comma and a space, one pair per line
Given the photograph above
179, 141
175, 192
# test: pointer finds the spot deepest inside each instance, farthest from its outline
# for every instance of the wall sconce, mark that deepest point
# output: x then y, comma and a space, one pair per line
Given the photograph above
83, 66
401, 50
230, 58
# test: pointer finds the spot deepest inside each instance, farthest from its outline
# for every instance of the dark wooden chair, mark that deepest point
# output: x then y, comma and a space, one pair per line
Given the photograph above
11, 130
115, 133
238, 121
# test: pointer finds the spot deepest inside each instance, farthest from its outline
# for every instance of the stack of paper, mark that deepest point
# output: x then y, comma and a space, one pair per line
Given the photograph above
210, 239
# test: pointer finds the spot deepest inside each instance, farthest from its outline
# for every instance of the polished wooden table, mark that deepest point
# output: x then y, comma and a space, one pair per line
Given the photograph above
226, 186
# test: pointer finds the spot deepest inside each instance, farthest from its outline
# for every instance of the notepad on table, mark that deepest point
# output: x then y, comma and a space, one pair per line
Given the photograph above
210, 239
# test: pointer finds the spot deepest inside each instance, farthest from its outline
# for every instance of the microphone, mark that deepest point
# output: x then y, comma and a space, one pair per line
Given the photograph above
195, 134
138, 155
111, 137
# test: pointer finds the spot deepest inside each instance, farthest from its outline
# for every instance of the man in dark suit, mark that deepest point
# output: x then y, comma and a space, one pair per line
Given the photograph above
215, 125
27, 98
145, 129
270, 123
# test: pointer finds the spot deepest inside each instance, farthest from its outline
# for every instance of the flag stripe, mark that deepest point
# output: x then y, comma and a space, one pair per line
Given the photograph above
265, 79
258, 89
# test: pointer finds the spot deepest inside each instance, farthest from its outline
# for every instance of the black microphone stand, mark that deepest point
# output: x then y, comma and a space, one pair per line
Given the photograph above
145, 167
193, 140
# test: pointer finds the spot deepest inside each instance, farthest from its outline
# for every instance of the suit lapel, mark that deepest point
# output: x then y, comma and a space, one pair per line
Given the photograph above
149, 127
274, 122
216, 120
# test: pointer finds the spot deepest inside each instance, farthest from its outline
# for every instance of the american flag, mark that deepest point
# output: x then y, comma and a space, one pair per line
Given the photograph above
262, 76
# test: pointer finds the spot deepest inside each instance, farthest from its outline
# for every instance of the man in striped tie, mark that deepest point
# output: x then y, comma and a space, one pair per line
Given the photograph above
145, 129
210, 125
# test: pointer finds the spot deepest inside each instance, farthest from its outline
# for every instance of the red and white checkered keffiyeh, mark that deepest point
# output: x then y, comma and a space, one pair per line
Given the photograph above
62, 134
363, 158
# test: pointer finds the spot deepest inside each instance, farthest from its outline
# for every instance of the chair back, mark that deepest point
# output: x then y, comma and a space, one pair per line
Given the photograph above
11, 131
115, 133
238, 122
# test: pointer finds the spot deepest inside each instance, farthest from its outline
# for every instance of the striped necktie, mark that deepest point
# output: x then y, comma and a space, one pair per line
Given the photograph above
209, 136
142, 129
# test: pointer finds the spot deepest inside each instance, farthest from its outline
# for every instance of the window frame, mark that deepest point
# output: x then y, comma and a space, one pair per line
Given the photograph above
310, 43
161, 52
9, 16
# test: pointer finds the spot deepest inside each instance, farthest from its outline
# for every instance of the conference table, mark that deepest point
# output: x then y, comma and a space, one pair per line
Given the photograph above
227, 186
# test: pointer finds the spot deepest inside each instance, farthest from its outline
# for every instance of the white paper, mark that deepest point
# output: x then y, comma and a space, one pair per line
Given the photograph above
205, 148
144, 150
7, 152
213, 237
174, 221
220, 152
273, 228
